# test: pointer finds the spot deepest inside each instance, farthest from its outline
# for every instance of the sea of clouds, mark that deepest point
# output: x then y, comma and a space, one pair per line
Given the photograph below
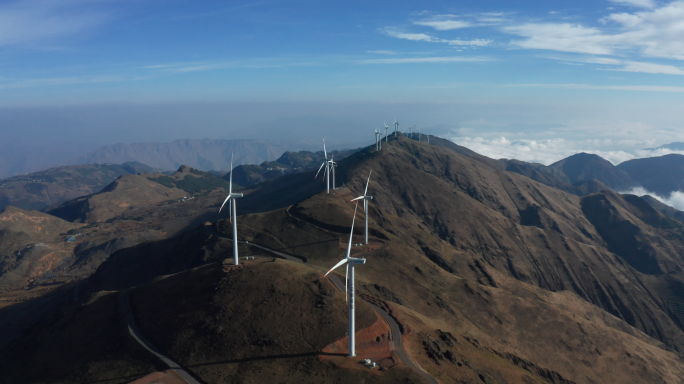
616, 143
614, 140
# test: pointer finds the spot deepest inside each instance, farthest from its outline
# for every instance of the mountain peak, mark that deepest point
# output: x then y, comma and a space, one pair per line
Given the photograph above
587, 166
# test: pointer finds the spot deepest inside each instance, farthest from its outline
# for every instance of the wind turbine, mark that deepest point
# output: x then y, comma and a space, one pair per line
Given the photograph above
376, 140
386, 128
333, 165
325, 164
350, 261
365, 198
396, 127
420, 133
233, 213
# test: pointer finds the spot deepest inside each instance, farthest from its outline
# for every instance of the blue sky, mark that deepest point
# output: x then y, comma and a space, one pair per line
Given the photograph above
549, 78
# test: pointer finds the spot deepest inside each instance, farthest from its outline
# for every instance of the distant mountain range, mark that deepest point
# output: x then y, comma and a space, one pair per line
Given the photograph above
205, 155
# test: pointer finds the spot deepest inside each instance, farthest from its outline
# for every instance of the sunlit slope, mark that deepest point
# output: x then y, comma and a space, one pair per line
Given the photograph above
447, 217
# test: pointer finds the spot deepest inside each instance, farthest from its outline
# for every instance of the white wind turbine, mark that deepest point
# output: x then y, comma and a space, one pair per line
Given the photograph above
365, 198
396, 127
350, 261
333, 165
233, 213
386, 128
325, 164
378, 140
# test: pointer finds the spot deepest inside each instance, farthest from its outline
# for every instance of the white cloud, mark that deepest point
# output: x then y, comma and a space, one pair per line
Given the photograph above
444, 25
656, 32
633, 66
624, 66
562, 37
636, 3
408, 36
392, 32
674, 200
476, 42
548, 151
615, 141
411, 60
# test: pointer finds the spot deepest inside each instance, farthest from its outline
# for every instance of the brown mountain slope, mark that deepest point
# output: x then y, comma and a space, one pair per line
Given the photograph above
121, 195
83, 343
530, 281
31, 243
52, 187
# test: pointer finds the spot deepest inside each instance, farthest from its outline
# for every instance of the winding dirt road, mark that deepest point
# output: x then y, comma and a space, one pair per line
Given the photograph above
133, 329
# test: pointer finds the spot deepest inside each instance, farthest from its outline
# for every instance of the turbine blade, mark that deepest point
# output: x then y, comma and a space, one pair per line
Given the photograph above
367, 182
360, 197
230, 186
224, 203
352, 230
319, 170
343, 261
324, 151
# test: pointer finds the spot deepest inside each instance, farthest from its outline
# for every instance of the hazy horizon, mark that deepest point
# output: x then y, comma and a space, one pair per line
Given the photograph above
535, 82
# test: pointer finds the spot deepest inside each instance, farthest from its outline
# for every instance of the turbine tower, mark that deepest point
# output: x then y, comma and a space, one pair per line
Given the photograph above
378, 140
325, 164
350, 261
396, 127
333, 165
233, 213
386, 128
365, 198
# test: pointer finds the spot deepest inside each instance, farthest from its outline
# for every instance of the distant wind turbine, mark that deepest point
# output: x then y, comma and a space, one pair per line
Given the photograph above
350, 261
386, 128
233, 211
396, 127
378, 140
325, 164
365, 198
333, 165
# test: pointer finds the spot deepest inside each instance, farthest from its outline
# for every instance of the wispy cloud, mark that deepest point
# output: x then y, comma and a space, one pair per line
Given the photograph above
636, 3
623, 65
35, 21
67, 80
383, 52
655, 32
412, 60
444, 25
186, 67
393, 32
638, 88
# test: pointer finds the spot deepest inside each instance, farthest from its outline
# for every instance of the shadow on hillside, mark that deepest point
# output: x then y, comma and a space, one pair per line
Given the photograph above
271, 357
